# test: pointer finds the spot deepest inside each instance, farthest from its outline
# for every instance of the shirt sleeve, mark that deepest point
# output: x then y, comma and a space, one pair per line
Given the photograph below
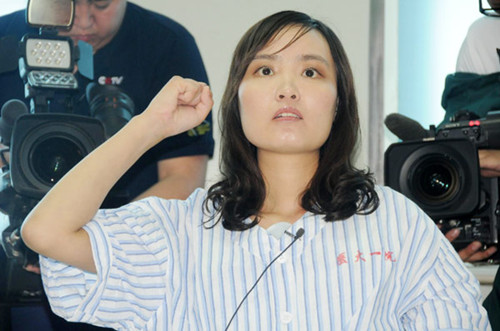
438, 292
133, 251
478, 51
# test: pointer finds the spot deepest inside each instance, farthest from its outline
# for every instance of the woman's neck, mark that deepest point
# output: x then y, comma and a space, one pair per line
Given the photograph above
286, 178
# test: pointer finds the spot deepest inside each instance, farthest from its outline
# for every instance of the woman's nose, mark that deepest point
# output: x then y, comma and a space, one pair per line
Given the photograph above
287, 90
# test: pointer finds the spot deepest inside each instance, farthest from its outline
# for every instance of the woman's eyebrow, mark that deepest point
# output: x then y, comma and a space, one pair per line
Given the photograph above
303, 57
265, 57
308, 57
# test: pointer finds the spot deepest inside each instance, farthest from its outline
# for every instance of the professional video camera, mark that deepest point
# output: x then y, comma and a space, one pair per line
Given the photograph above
43, 144
441, 174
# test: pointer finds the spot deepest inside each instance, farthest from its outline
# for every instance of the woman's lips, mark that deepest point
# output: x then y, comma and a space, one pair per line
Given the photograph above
287, 113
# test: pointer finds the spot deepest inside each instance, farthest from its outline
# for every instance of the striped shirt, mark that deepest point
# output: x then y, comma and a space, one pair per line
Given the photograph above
159, 268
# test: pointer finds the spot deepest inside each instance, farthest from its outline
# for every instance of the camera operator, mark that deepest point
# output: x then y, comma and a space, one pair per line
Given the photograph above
138, 51
475, 87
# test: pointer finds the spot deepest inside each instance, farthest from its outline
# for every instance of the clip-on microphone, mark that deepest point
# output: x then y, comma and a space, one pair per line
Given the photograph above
300, 233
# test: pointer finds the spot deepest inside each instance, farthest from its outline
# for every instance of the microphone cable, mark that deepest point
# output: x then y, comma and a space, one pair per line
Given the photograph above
300, 233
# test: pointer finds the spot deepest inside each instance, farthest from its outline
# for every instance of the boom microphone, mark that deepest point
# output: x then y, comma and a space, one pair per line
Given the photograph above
11, 110
405, 128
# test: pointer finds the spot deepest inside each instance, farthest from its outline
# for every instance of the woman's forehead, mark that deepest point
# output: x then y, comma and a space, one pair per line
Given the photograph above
286, 36
308, 43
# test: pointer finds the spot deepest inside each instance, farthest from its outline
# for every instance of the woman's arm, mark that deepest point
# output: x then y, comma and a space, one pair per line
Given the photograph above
54, 226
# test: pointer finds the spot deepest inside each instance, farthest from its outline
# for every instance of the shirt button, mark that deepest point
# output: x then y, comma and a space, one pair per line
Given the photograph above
286, 317
281, 259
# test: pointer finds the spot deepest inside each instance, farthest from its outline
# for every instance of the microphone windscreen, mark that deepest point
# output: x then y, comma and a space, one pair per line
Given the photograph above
405, 128
300, 233
11, 110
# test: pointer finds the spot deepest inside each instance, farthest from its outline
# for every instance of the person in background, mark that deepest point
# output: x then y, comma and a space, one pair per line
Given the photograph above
138, 51
354, 255
475, 88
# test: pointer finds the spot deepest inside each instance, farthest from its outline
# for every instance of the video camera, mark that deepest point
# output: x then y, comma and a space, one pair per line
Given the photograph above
44, 144
441, 174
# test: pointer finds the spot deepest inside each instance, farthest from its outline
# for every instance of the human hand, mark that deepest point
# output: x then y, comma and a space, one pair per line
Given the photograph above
473, 252
180, 105
32, 268
489, 161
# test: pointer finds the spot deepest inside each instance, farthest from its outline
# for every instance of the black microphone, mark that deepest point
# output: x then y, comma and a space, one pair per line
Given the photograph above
300, 233
11, 110
405, 128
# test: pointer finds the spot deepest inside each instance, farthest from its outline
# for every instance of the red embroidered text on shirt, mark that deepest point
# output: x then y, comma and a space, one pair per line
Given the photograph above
342, 258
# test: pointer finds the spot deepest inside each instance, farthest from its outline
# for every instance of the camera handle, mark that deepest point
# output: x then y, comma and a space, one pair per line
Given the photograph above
39, 100
432, 131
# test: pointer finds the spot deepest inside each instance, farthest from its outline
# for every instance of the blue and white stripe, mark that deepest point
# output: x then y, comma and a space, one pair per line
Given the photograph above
159, 268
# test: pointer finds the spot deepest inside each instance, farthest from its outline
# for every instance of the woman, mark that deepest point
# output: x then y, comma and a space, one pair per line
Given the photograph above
351, 255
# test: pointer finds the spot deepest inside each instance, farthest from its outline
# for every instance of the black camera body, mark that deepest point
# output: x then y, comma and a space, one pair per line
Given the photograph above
441, 174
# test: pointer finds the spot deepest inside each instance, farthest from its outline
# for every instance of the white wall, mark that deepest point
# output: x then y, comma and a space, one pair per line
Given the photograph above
218, 25
8, 6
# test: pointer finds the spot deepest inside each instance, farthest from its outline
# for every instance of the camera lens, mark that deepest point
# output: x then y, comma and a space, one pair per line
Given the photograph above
46, 146
110, 105
440, 176
52, 158
435, 180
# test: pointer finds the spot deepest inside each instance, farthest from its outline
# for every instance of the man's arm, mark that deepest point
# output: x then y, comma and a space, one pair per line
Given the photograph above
489, 161
178, 177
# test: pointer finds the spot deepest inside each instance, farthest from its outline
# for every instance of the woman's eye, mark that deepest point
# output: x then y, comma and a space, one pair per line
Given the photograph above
265, 71
310, 73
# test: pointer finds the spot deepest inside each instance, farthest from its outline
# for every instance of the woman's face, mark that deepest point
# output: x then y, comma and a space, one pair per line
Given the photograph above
288, 96
96, 21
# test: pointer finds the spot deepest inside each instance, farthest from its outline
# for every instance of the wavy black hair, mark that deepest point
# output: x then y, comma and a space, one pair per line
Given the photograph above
338, 190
